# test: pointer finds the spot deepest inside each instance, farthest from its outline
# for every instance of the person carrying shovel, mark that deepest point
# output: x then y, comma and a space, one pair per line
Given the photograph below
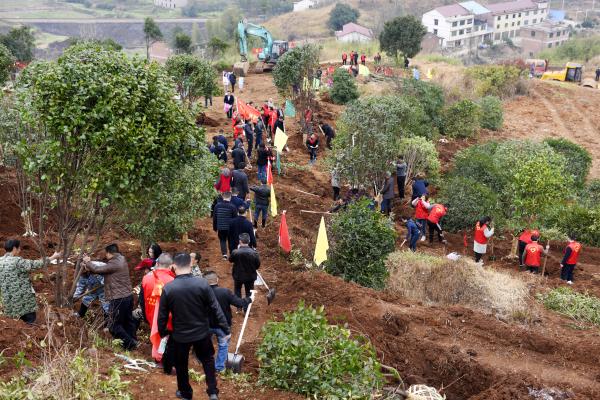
226, 299
245, 263
483, 231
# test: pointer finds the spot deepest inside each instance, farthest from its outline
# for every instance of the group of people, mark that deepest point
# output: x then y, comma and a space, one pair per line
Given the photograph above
354, 58
229, 81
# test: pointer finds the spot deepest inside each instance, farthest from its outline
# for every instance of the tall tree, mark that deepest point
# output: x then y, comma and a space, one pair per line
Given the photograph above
7, 62
152, 34
183, 43
194, 77
340, 15
217, 47
109, 131
21, 43
402, 36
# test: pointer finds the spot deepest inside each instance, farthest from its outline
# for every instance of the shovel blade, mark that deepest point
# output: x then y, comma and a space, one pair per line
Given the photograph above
271, 296
234, 362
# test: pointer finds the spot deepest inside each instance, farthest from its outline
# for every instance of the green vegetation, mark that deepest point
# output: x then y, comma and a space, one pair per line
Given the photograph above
182, 43
361, 239
579, 160
340, 15
295, 65
20, 42
431, 97
438, 58
584, 220
193, 76
7, 61
575, 50
492, 114
578, 306
402, 36
421, 157
344, 87
152, 34
217, 47
461, 119
306, 355
496, 80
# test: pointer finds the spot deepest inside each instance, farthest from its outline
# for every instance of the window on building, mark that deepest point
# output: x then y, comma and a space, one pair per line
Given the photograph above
506, 25
435, 31
499, 17
457, 43
534, 21
557, 34
453, 33
541, 19
514, 15
469, 21
535, 12
435, 21
532, 34
506, 16
531, 54
527, 14
518, 23
468, 30
498, 26
526, 22
551, 34
513, 24
461, 32
476, 28
549, 45
462, 22
454, 23
557, 44
519, 15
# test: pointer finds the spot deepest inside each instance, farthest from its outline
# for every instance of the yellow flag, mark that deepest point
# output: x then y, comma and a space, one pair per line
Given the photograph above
429, 73
280, 140
273, 202
322, 244
363, 70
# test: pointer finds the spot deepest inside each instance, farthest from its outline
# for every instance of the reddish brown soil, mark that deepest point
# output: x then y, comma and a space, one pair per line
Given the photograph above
469, 354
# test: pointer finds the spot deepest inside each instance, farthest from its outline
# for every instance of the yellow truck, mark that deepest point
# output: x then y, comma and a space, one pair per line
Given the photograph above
572, 72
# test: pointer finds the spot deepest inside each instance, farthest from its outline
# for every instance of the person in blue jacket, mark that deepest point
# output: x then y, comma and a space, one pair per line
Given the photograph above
412, 233
419, 187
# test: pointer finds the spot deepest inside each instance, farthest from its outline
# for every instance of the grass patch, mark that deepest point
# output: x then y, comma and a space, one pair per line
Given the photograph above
437, 280
581, 307
438, 58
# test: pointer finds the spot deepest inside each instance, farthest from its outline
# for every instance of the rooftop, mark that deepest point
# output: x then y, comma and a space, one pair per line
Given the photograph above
548, 26
474, 7
351, 28
512, 6
453, 10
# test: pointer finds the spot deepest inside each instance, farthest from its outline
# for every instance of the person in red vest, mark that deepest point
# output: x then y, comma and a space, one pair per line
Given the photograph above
533, 254
352, 57
567, 265
524, 240
436, 213
150, 292
363, 58
344, 58
422, 206
483, 231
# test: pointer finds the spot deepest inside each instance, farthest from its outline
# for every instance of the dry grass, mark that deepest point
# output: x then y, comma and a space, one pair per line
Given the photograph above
436, 280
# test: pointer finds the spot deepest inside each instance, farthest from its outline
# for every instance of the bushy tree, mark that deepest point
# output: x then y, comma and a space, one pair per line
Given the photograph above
495, 80
340, 15
461, 119
402, 36
582, 220
217, 46
304, 354
109, 129
295, 65
21, 43
361, 239
579, 160
421, 156
108, 44
478, 163
193, 76
344, 88
591, 193
7, 62
430, 95
468, 201
492, 114
152, 34
182, 43
368, 133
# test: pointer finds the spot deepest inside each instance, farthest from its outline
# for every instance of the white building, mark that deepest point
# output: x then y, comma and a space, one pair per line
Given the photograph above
170, 3
352, 32
458, 24
508, 17
304, 5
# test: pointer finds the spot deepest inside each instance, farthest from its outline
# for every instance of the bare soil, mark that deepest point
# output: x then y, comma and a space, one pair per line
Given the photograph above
464, 352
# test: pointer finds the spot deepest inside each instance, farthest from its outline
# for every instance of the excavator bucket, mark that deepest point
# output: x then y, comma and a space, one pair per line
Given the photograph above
241, 68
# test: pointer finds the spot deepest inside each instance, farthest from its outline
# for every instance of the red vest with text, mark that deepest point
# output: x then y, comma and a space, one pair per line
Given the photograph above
533, 254
575, 249
436, 213
479, 233
421, 211
152, 284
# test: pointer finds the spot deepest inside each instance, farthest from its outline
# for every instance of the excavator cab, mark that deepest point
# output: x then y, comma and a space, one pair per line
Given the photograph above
572, 72
278, 49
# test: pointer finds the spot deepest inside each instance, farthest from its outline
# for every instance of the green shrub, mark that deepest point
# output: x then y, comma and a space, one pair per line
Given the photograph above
579, 160
361, 238
461, 120
306, 355
421, 156
429, 95
495, 80
344, 88
492, 114
591, 193
578, 306
477, 163
468, 201
582, 220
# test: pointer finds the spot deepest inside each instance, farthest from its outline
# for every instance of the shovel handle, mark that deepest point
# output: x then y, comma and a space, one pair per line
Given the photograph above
263, 281
239, 342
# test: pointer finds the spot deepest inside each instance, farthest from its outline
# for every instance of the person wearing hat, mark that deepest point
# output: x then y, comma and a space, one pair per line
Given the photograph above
569, 261
226, 299
533, 254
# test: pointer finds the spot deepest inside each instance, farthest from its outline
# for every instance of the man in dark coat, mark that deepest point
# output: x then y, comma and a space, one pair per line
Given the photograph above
232, 80
262, 199
240, 181
245, 263
388, 194
329, 133
229, 100
239, 155
192, 304
249, 133
223, 213
239, 225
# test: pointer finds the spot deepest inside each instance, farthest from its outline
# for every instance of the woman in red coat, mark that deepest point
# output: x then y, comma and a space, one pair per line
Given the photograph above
224, 182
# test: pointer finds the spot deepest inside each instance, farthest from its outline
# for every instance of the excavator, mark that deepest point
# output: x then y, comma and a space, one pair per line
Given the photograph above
270, 53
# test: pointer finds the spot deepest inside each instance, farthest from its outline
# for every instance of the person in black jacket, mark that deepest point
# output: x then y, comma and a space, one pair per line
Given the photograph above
329, 133
249, 133
229, 100
245, 263
226, 299
240, 181
223, 213
232, 80
239, 156
262, 198
191, 303
238, 226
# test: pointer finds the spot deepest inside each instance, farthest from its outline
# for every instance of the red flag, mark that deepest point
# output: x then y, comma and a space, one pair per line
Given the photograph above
284, 235
269, 174
465, 240
247, 112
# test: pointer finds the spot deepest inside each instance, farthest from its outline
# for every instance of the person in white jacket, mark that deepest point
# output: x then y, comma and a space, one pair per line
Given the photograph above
483, 231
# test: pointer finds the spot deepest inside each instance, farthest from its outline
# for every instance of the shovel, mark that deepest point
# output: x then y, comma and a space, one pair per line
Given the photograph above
270, 292
492, 256
235, 361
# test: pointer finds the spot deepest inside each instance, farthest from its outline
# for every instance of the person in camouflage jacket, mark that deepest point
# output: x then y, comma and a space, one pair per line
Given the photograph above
18, 296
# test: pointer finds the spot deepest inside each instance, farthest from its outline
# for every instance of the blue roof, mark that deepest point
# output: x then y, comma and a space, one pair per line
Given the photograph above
474, 7
557, 15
